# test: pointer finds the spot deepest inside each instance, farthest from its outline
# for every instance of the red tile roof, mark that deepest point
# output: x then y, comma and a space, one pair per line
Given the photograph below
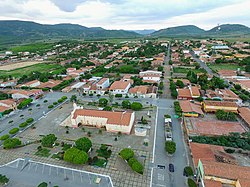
139, 89
245, 114
211, 183
184, 93
116, 118
220, 103
195, 91
121, 85
3, 108
187, 106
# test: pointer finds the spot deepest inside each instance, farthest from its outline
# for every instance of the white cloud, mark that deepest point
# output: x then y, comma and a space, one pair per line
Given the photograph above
128, 14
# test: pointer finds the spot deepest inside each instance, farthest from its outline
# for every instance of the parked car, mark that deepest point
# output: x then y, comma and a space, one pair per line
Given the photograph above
171, 167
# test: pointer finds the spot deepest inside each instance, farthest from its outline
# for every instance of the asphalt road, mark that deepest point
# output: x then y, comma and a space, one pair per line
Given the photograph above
162, 177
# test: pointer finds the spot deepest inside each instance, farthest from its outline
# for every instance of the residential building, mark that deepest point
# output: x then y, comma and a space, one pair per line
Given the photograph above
189, 93
191, 109
120, 87
9, 83
112, 121
10, 103
213, 106
143, 91
227, 73
244, 113
214, 166
151, 76
31, 84
103, 83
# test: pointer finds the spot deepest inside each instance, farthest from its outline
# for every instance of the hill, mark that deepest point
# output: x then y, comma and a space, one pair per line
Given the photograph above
145, 31
185, 30
26, 31
227, 30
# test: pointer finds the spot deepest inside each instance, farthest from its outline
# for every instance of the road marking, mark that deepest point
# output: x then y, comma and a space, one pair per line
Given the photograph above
155, 135
160, 177
159, 185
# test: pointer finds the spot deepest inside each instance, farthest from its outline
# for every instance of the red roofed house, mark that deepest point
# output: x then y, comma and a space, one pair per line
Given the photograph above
190, 109
31, 84
10, 103
189, 93
244, 113
143, 91
213, 106
215, 167
151, 76
227, 73
120, 87
113, 121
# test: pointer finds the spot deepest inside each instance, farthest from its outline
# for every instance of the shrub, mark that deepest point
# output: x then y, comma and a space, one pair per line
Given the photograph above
55, 103
170, 147
60, 100
24, 103
191, 183
75, 156
230, 150
118, 95
45, 101
136, 106
3, 179
11, 143
64, 98
4, 137
131, 161
49, 140
43, 184
189, 171
83, 144
126, 153
30, 120
50, 106
14, 130
24, 124
137, 167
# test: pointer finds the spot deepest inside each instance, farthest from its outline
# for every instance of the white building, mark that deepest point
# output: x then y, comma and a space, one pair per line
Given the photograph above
112, 121
103, 83
151, 76
120, 87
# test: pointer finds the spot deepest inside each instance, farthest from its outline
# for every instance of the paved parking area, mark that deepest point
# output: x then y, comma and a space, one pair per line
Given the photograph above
21, 170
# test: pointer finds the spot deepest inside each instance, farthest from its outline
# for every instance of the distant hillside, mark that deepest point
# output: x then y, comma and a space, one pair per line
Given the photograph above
186, 30
21, 31
145, 31
227, 30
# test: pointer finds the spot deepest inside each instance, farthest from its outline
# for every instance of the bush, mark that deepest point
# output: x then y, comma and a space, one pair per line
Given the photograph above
3, 179
11, 143
75, 156
48, 140
43, 184
226, 116
64, 98
83, 144
60, 100
230, 150
50, 106
55, 103
14, 130
137, 167
189, 171
131, 161
24, 103
103, 102
104, 152
24, 124
136, 106
170, 147
191, 183
126, 104
126, 153
45, 101
118, 95
30, 120
4, 137
107, 108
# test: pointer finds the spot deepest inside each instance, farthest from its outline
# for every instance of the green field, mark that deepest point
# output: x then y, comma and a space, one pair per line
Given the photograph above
32, 47
186, 70
217, 67
42, 68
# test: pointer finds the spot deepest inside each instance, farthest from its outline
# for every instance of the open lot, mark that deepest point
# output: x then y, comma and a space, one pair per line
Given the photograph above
20, 69
217, 67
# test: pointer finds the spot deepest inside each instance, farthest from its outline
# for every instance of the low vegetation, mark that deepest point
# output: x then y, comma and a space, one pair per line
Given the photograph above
170, 147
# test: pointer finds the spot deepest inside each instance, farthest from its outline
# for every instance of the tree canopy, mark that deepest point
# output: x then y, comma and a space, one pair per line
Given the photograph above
170, 147
75, 156
11, 143
83, 144
49, 140
126, 153
136, 106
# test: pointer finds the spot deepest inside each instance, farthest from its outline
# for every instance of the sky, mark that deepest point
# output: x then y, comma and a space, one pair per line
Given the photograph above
129, 14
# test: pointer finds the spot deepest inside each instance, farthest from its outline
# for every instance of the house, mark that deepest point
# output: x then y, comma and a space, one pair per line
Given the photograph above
190, 109
151, 76
213, 106
9, 83
19, 94
50, 83
189, 93
103, 83
120, 87
204, 127
223, 73
186, 82
10, 103
244, 113
245, 84
31, 84
112, 121
215, 167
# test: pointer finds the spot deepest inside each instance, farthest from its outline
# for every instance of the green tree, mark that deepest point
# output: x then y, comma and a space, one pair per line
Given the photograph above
11, 143
137, 167
244, 97
43, 184
126, 153
73, 98
136, 106
48, 140
192, 77
191, 183
126, 104
103, 102
107, 108
237, 87
180, 84
189, 171
170, 147
83, 144
3, 179
75, 156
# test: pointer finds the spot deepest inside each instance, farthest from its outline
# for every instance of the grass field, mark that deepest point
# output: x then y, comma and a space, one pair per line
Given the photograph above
186, 70
43, 68
217, 67
32, 47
